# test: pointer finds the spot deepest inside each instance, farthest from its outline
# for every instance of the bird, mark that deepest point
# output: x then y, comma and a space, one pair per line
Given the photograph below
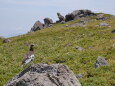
28, 57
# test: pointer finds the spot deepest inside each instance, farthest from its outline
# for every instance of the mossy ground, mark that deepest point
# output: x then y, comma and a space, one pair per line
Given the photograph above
57, 45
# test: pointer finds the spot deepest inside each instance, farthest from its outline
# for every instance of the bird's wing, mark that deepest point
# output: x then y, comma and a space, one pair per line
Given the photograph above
27, 56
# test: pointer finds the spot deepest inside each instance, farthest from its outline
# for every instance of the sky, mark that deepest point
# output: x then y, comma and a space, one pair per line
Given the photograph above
18, 16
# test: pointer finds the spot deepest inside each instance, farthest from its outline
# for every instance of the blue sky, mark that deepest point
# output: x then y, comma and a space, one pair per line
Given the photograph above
18, 16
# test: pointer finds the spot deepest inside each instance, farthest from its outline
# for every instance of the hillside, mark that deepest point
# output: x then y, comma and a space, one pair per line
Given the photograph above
57, 44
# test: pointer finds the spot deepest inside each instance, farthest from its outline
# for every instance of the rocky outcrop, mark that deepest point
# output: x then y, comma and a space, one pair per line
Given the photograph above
37, 26
100, 62
45, 75
48, 22
78, 14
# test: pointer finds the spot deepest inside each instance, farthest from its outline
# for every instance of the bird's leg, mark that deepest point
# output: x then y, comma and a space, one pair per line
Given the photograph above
31, 63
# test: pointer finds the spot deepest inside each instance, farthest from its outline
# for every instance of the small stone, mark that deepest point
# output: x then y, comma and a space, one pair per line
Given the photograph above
104, 24
6, 40
79, 48
62, 22
100, 62
66, 25
79, 75
113, 31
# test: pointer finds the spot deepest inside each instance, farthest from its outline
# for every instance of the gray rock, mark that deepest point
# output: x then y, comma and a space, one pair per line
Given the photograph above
6, 40
79, 48
113, 31
113, 85
62, 22
100, 62
61, 18
104, 24
79, 75
69, 17
77, 24
45, 75
100, 17
48, 22
78, 14
37, 26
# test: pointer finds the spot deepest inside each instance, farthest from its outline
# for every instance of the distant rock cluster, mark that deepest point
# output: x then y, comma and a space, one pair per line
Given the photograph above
71, 16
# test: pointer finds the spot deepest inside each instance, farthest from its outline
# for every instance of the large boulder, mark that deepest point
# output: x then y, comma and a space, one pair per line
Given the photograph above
78, 14
68, 17
45, 75
61, 18
48, 22
37, 26
100, 62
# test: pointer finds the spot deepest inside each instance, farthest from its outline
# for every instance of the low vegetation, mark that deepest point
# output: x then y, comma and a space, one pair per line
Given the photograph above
57, 44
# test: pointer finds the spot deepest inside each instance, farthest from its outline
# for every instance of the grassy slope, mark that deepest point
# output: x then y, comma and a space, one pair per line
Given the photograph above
50, 47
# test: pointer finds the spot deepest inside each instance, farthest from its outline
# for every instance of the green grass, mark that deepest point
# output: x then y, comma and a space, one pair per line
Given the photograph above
51, 47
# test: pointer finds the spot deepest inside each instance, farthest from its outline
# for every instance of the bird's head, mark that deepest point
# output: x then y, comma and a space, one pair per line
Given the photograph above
31, 47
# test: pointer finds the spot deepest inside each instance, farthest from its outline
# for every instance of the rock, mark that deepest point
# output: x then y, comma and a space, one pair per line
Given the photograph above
63, 22
100, 62
48, 22
104, 24
78, 14
113, 85
68, 45
79, 48
6, 40
113, 31
100, 17
77, 24
45, 75
68, 17
79, 75
61, 18
37, 26
66, 25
